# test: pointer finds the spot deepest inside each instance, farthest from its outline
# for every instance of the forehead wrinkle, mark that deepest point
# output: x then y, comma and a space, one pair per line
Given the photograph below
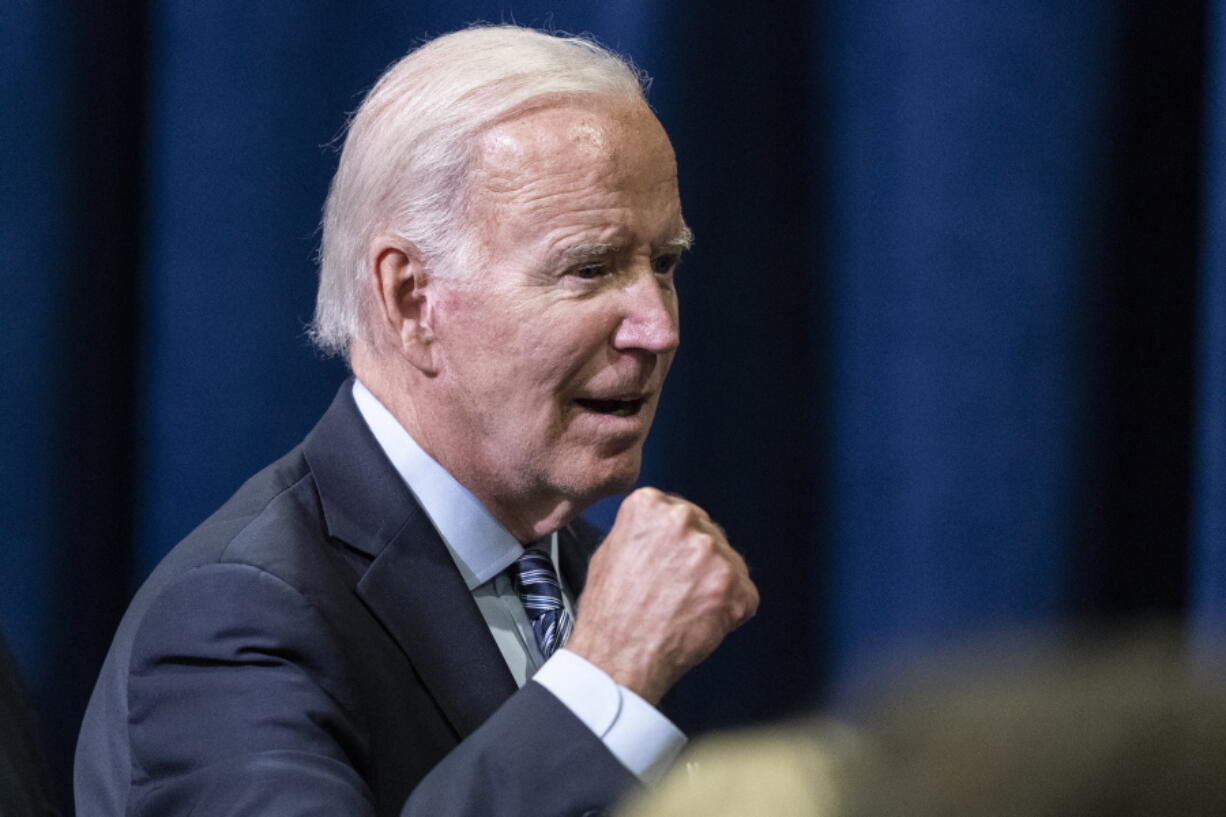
507, 156
589, 174
592, 149
587, 186
531, 188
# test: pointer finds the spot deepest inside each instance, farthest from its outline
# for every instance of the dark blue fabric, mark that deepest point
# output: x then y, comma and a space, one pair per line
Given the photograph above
962, 190
1209, 524
35, 276
954, 328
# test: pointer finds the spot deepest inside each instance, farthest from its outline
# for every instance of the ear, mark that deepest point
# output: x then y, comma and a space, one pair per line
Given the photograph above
404, 300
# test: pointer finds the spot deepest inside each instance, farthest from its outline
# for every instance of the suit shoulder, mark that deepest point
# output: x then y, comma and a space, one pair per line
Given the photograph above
270, 522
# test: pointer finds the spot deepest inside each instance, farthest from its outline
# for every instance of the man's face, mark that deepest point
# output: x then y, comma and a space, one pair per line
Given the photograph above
552, 356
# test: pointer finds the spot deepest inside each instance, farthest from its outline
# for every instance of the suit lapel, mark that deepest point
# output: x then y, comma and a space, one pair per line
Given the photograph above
412, 585
576, 542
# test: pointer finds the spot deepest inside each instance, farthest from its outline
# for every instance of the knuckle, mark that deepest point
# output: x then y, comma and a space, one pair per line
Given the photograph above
701, 546
752, 600
635, 499
647, 494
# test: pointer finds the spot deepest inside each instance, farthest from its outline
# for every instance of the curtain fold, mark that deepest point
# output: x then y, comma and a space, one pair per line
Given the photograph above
1209, 509
964, 217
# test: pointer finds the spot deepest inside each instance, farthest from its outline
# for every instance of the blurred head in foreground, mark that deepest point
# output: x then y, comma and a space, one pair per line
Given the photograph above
1120, 729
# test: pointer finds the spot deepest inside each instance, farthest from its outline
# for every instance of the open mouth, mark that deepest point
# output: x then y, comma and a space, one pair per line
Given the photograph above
617, 408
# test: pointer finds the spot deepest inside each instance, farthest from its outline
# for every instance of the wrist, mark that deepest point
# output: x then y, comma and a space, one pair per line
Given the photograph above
636, 674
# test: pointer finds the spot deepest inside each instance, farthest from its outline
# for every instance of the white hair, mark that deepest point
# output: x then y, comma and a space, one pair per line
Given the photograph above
404, 166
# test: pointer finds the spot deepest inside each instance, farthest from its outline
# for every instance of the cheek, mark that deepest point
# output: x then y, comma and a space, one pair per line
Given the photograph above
562, 351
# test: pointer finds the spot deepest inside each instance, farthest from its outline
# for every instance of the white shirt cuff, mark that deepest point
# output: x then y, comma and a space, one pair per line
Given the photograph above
634, 731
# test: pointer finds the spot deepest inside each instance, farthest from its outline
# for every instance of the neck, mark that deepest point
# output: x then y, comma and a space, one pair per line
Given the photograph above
527, 518
526, 515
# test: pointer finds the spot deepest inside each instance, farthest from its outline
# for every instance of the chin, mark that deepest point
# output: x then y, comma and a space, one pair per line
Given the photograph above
605, 477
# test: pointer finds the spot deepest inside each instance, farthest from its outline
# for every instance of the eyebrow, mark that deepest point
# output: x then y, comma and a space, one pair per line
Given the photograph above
589, 249
683, 240
598, 249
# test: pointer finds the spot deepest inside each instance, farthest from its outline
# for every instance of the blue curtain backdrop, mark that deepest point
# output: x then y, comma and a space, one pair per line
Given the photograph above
954, 328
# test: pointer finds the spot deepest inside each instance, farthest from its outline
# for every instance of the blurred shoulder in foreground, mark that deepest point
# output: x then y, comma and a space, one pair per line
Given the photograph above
1059, 727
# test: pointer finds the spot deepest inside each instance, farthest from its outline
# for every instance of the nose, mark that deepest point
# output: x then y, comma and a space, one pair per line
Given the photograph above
649, 321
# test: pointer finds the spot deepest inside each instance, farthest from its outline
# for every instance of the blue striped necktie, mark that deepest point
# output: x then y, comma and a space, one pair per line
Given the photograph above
537, 584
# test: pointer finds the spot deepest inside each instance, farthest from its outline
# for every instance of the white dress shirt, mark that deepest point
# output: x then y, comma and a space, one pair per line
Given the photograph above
634, 731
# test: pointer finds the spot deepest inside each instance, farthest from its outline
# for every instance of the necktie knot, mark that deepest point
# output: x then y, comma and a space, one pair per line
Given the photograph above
541, 593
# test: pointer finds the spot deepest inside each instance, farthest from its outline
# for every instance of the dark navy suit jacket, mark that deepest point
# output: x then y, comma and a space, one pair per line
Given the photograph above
311, 649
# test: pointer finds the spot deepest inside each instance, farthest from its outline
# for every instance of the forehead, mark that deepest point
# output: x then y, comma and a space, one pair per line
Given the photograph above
621, 147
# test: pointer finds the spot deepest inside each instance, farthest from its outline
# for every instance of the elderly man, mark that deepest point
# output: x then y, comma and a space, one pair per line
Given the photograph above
374, 623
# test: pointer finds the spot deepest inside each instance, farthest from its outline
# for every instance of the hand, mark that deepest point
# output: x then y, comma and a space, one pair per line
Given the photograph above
662, 591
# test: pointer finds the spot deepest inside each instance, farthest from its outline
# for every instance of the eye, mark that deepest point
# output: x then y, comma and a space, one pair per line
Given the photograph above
590, 272
665, 264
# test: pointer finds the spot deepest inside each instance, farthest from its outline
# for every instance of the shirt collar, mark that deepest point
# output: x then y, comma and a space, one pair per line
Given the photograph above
479, 545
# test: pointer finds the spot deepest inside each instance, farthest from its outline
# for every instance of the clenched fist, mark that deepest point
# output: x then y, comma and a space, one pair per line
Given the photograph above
662, 592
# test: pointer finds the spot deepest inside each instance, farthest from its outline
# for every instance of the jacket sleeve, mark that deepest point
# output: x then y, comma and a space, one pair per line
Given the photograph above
233, 704
532, 758
239, 705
